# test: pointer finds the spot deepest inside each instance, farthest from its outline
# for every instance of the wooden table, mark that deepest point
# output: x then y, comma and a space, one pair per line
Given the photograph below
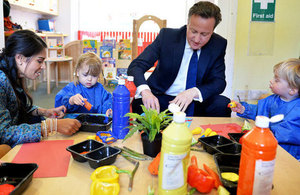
286, 175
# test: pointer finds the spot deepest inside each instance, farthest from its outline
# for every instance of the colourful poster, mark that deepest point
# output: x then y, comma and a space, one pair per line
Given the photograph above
109, 68
90, 46
124, 49
122, 72
106, 51
110, 42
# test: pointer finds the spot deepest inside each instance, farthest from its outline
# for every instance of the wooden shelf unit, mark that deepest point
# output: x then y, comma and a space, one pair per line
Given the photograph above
55, 55
55, 43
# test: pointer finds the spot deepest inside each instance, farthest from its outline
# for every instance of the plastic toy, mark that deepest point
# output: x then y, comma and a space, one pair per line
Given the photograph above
231, 105
208, 132
105, 137
87, 105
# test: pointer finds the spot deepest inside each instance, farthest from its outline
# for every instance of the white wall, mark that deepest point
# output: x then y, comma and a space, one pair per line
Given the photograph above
2, 44
64, 22
227, 29
27, 20
118, 15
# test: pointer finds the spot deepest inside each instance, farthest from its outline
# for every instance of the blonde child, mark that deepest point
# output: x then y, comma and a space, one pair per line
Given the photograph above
286, 88
86, 88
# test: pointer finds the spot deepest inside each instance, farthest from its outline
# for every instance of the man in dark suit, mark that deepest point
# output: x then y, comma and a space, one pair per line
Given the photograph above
193, 82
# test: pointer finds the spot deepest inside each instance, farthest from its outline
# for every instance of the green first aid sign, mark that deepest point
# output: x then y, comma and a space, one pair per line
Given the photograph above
263, 10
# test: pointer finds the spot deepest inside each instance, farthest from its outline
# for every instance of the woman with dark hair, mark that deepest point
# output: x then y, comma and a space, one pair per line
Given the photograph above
20, 121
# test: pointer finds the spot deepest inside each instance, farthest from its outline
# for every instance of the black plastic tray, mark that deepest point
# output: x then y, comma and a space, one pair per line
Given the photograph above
228, 163
236, 136
94, 123
104, 156
98, 154
85, 146
233, 148
19, 175
211, 143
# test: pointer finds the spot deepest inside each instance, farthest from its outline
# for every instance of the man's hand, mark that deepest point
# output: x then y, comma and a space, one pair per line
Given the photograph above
149, 100
184, 98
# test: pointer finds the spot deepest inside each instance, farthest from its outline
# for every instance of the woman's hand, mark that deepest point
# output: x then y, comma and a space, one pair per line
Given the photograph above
58, 112
68, 126
77, 99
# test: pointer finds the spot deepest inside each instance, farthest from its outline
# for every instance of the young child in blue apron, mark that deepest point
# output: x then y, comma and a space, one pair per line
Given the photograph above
286, 88
86, 89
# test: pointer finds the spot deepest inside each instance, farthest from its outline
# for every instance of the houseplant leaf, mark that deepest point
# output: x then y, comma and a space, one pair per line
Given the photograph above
151, 122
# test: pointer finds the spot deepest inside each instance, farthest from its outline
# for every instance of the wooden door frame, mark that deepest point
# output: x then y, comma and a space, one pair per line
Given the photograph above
136, 27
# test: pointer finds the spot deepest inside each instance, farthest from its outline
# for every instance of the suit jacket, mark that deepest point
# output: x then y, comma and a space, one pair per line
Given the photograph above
168, 49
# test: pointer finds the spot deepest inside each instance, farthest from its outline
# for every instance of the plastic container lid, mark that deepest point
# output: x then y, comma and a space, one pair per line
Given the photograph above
121, 82
262, 121
179, 117
130, 78
173, 108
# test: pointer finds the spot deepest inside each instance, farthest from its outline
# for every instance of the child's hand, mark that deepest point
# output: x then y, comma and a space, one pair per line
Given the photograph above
58, 112
109, 112
239, 108
77, 100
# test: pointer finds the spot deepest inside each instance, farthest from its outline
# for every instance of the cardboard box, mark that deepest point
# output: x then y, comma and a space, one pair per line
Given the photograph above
46, 25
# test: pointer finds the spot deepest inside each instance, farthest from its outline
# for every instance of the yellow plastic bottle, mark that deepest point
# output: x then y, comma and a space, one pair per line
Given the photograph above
175, 153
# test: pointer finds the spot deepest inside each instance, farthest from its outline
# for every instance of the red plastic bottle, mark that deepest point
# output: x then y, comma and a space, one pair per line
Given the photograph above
132, 89
257, 159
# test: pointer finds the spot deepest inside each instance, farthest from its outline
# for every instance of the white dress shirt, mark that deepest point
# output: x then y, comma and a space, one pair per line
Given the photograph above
179, 83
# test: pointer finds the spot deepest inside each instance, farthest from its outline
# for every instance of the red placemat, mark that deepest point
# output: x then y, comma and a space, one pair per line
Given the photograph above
51, 156
224, 129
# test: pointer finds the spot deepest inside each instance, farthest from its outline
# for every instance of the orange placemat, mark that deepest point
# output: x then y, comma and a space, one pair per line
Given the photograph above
224, 129
51, 156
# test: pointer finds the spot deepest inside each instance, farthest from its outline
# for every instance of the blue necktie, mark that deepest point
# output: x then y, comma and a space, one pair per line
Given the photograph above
191, 79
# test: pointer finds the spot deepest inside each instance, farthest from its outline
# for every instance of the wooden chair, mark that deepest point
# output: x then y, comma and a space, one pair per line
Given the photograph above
56, 61
74, 49
136, 27
4, 149
55, 55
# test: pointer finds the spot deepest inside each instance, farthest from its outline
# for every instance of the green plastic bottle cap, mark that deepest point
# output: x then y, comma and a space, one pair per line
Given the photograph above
179, 117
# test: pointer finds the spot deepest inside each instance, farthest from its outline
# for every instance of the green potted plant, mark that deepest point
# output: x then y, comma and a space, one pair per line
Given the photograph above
151, 123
